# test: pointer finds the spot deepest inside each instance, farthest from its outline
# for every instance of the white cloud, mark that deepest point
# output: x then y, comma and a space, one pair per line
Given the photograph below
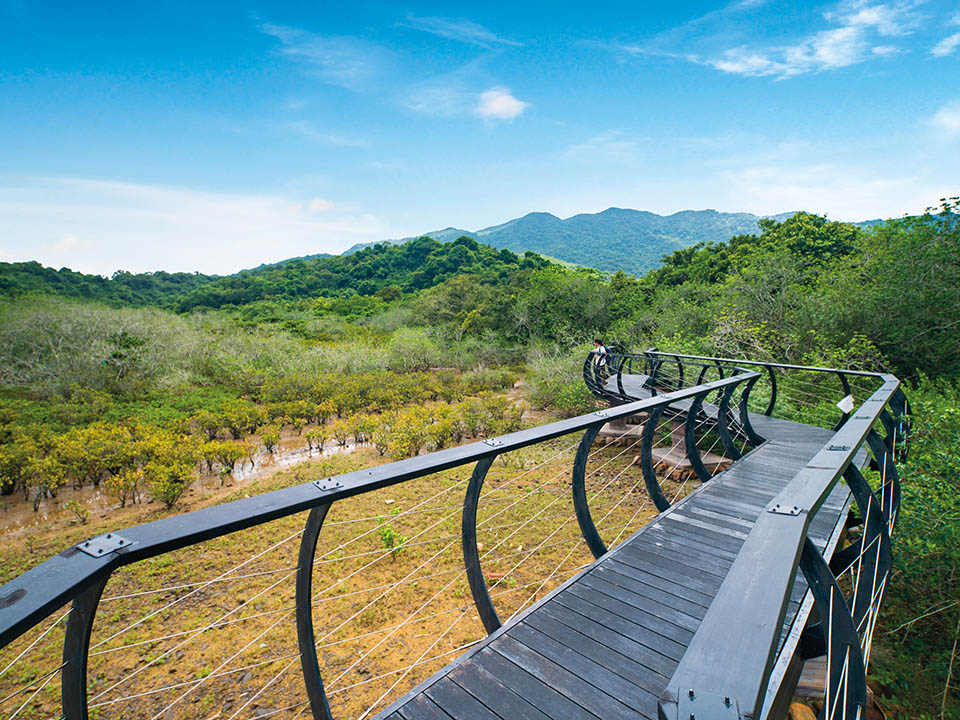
440, 100
946, 46
851, 41
498, 104
143, 227
346, 61
948, 118
839, 191
66, 244
465, 31
318, 204
607, 146
326, 138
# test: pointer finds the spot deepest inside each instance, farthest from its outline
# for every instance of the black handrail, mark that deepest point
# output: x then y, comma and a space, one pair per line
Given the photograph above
728, 663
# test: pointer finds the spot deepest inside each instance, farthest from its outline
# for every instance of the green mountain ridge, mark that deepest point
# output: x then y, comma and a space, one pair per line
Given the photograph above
634, 241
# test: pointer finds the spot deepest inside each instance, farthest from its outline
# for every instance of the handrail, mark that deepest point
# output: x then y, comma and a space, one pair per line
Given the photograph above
764, 363
30, 597
728, 663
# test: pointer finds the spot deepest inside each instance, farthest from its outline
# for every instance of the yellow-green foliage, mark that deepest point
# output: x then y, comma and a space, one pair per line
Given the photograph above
317, 436
270, 437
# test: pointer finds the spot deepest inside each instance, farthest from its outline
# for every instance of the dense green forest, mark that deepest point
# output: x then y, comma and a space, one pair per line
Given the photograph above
178, 366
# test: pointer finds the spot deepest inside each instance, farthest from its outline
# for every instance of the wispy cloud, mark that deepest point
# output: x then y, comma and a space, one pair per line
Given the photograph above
325, 138
608, 145
948, 118
853, 38
445, 96
465, 31
319, 204
844, 192
949, 44
498, 103
99, 226
346, 61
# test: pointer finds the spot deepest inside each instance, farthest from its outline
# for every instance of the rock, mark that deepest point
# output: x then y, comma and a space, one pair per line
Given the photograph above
799, 711
245, 677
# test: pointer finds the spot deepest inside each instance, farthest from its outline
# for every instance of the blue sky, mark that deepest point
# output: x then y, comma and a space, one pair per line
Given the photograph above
215, 136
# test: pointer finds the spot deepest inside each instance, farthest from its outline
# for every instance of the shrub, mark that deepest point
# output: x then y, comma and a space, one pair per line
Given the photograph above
270, 437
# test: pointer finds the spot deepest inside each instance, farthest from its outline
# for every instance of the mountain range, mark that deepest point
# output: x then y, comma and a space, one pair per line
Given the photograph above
616, 239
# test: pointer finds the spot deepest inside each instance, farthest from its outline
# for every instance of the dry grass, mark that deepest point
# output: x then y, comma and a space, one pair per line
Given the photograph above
209, 631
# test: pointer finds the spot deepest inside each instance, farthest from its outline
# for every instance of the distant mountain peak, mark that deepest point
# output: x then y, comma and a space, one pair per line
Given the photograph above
614, 239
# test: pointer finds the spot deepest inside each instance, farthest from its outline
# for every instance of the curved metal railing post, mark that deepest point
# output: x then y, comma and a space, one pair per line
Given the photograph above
578, 484
646, 459
723, 429
679, 372
890, 479
876, 564
752, 435
306, 639
773, 390
846, 675
76, 647
471, 556
690, 439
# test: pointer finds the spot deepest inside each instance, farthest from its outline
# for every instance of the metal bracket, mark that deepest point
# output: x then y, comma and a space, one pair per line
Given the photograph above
706, 706
103, 544
779, 509
842, 448
493, 442
327, 485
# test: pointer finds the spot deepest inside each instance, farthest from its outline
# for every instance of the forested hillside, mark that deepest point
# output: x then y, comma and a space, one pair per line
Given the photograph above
122, 288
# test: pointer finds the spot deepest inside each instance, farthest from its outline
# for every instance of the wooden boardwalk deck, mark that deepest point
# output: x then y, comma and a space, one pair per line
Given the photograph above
605, 643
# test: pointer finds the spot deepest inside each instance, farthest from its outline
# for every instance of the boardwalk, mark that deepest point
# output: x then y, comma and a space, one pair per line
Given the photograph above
606, 642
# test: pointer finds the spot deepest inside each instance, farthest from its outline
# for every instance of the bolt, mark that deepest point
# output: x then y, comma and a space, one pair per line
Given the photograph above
690, 693
108, 536
726, 701
99, 550
693, 717
87, 544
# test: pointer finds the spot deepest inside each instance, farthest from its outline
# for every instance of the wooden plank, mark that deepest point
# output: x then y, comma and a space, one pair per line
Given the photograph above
708, 525
726, 541
421, 707
610, 638
458, 703
642, 584
623, 665
661, 536
493, 694
562, 680
702, 563
541, 695
688, 577
677, 627
633, 696
698, 509
669, 650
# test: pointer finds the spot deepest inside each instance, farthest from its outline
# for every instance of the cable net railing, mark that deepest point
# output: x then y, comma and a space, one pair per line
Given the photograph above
341, 608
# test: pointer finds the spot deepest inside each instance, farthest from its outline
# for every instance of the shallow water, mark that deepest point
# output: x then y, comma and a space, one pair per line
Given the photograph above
17, 515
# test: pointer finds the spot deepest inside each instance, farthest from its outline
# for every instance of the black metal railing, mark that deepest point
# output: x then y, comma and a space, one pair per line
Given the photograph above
735, 664
80, 574
701, 415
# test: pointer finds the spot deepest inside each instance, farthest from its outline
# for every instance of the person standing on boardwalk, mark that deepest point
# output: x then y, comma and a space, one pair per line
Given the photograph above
600, 360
